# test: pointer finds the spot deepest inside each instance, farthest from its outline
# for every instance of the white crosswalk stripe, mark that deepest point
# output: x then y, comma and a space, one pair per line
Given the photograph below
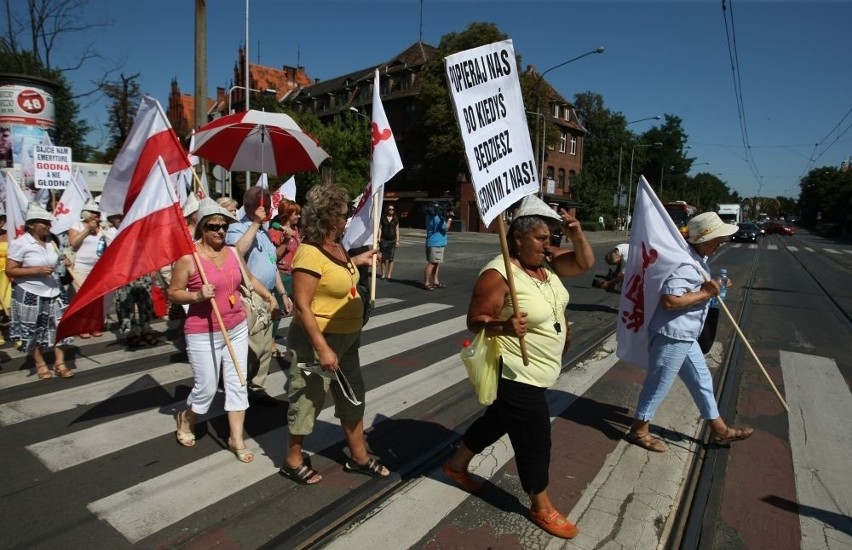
154, 504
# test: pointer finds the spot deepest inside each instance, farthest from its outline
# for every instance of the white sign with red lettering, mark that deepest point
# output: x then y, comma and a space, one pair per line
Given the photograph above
52, 166
486, 94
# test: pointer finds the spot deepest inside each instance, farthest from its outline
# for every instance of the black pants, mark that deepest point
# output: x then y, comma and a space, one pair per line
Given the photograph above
521, 411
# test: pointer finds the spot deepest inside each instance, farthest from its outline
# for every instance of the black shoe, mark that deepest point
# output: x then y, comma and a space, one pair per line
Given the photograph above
258, 396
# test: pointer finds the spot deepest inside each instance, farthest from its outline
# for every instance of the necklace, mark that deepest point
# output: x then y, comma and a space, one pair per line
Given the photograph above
229, 282
546, 282
336, 250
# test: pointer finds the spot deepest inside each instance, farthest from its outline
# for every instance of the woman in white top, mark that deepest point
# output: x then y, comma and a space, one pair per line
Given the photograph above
38, 299
88, 241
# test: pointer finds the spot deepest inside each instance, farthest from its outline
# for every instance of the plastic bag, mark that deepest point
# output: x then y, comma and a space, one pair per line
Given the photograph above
482, 361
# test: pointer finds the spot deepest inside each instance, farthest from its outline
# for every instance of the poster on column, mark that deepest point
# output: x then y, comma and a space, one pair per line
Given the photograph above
486, 94
52, 166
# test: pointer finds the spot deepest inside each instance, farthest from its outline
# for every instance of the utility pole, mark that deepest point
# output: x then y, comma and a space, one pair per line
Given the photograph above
200, 63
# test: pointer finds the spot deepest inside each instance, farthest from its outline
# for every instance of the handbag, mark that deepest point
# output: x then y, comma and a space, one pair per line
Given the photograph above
708, 331
482, 360
258, 317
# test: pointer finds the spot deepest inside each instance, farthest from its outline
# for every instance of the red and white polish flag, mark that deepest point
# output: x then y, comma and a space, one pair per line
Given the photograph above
150, 137
153, 234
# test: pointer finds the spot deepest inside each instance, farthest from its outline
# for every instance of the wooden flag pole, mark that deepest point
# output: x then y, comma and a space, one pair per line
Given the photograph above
753, 354
219, 320
507, 262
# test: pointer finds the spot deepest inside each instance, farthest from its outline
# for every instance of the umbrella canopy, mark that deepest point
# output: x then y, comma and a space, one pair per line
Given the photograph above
258, 141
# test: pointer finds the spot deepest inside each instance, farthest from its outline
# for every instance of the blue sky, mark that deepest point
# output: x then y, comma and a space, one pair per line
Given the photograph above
661, 57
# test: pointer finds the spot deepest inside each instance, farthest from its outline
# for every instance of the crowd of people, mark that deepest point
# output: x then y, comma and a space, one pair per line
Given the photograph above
294, 260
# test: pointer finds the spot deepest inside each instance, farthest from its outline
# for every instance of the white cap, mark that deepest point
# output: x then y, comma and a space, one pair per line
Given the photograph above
209, 207
36, 212
534, 206
190, 207
92, 206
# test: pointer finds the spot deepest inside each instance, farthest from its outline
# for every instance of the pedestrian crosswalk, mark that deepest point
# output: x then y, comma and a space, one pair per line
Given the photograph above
791, 248
150, 504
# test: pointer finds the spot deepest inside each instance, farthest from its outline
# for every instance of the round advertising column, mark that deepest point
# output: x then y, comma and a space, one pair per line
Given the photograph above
27, 113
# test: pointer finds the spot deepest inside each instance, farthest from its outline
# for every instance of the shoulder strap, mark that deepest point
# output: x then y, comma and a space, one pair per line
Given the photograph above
246, 280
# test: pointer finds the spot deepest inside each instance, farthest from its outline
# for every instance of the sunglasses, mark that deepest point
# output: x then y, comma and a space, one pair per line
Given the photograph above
215, 227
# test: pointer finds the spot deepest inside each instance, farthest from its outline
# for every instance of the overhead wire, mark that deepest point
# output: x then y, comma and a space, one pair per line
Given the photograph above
730, 36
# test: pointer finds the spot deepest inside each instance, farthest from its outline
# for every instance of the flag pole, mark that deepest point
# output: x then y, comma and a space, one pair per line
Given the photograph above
754, 355
375, 245
218, 315
507, 262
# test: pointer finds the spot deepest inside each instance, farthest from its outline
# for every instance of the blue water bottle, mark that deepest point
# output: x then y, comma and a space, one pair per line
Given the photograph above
101, 246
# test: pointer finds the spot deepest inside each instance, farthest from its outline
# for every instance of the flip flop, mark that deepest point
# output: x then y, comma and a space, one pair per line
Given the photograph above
427, 286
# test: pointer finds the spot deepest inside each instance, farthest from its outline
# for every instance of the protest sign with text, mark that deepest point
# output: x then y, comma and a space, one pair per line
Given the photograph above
52, 166
486, 94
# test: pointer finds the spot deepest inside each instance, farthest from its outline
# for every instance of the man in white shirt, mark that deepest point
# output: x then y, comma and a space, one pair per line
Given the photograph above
616, 257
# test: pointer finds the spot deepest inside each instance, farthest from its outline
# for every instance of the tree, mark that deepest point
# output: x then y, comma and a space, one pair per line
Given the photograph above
826, 196
437, 132
125, 97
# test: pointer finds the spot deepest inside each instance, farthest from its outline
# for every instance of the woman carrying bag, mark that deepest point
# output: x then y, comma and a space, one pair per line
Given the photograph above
520, 408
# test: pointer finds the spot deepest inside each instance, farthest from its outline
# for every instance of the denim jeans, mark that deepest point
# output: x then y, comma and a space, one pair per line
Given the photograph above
670, 358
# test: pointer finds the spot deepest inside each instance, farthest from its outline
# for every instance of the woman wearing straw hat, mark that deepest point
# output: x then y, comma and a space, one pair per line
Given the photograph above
87, 240
38, 298
674, 330
205, 344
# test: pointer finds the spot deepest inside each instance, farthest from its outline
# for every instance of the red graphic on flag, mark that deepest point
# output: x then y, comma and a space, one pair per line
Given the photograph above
635, 293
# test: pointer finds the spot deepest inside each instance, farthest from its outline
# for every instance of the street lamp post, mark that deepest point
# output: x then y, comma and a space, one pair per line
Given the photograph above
619, 191
599, 49
630, 184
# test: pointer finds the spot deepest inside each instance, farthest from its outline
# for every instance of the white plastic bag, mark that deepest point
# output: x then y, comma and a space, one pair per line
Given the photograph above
481, 359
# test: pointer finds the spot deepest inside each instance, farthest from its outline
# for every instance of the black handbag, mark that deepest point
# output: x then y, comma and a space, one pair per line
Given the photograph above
708, 331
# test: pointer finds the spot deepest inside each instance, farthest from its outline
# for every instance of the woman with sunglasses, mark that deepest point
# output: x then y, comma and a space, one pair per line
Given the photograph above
326, 331
388, 241
205, 345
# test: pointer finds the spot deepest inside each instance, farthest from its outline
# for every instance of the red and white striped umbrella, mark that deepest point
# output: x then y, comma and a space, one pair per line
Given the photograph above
258, 141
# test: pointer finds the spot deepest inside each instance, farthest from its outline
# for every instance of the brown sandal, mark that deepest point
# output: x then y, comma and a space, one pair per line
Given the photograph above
43, 372
62, 371
646, 441
731, 434
462, 478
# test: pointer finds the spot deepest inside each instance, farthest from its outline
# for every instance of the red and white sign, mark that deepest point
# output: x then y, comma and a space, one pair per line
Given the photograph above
26, 104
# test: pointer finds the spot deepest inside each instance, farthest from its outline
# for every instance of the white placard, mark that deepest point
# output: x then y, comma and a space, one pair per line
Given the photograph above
52, 166
486, 93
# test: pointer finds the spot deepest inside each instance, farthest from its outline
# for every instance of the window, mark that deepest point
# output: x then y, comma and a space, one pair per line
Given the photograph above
567, 114
556, 110
573, 145
571, 176
563, 140
550, 172
560, 180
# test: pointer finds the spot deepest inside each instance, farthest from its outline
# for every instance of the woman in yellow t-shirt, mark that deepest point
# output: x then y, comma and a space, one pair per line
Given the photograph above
326, 331
520, 409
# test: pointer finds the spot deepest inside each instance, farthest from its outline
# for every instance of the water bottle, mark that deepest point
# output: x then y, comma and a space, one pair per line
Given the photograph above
467, 350
59, 270
723, 283
723, 288
101, 246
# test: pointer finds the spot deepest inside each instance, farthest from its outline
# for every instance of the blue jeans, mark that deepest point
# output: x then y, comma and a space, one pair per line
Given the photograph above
670, 358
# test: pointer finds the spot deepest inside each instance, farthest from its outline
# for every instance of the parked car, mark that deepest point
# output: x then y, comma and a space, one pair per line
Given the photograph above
747, 232
780, 227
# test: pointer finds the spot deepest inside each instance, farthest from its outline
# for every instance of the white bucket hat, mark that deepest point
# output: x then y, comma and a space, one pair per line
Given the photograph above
534, 206
209, 207
92, 206
190, 207
36, 212
708, 226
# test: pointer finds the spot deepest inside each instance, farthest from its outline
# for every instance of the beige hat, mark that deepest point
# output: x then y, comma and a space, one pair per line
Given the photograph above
534, 206
91, 206
708, 226
36, 212
190, 207
209, 207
